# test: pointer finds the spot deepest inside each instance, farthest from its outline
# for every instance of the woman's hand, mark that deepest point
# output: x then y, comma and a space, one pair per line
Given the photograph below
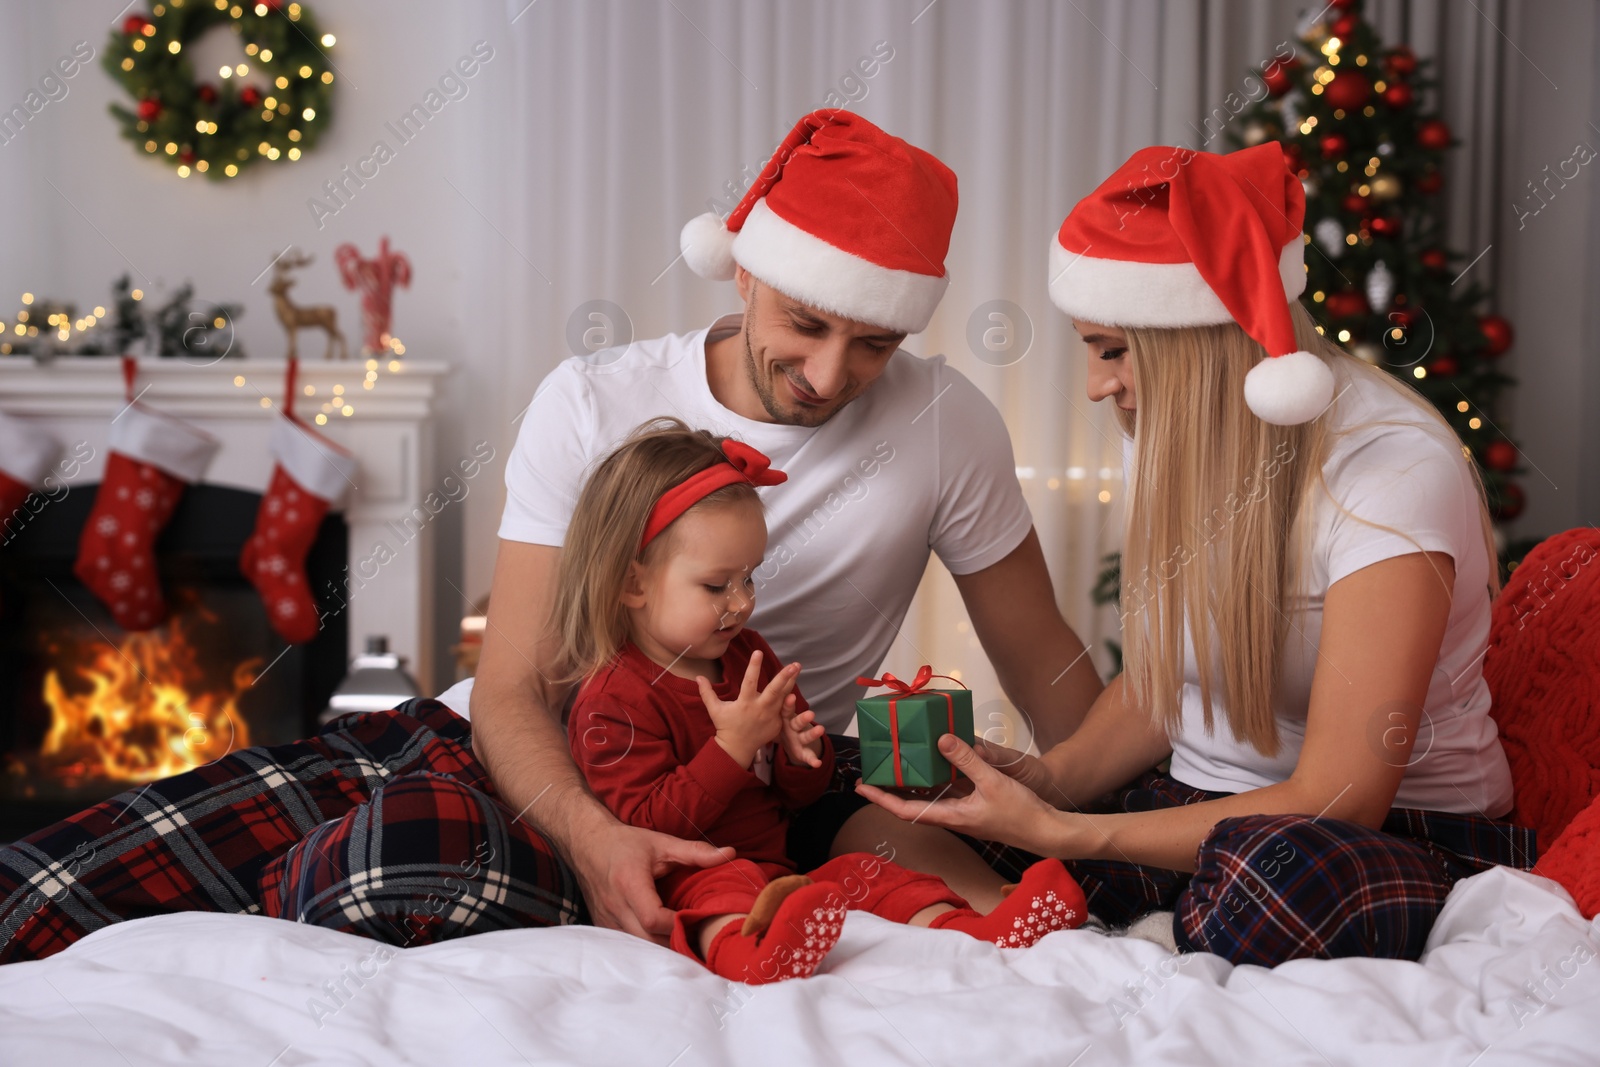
754, 718
802, 736
1029, 770
996, 808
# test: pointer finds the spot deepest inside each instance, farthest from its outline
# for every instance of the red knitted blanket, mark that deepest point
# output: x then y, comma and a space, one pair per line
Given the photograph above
1543, 667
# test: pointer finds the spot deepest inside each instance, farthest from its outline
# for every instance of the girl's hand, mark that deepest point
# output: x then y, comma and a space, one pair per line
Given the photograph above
995, 808
802, 735
754, 719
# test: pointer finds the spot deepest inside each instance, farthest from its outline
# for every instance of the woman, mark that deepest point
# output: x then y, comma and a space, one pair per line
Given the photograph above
1334, 769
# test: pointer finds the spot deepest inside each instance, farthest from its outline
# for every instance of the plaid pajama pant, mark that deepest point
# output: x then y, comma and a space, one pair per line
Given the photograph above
383, 825
1267, 888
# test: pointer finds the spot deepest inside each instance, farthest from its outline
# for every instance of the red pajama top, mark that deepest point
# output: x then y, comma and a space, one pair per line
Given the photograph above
646, 745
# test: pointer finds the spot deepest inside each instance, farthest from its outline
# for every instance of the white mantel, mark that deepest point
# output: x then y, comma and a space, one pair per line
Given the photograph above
389, 431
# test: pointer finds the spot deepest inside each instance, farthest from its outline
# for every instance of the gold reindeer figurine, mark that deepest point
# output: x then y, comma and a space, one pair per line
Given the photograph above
322, 316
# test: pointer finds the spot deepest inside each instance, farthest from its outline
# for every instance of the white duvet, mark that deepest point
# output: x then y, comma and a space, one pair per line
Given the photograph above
1511, 976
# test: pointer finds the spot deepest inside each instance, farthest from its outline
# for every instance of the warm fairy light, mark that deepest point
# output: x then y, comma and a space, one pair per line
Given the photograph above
1105, 496
1462, 405
137, 294
347, 411
338, 390
305, 72
27, 298
1475, 422
1419, 372
309, 113
230, 170
394, 365
327, 77
127, 64
238, 380
266, 402
311, 390
328, 40
1344, 336
322, 420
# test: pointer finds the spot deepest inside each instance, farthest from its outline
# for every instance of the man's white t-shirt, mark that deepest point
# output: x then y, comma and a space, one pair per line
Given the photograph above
920, 462
1411, 477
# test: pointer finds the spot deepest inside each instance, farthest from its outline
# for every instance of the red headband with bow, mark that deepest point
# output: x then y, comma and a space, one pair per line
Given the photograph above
744, 464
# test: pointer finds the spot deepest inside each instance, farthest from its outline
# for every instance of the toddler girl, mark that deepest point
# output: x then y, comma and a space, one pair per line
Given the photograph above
686, 723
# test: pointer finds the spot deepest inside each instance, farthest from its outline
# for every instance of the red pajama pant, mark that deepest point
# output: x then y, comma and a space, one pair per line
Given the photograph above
866, 883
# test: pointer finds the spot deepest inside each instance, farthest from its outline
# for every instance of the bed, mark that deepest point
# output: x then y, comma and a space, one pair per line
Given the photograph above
1511, 973
1510, 976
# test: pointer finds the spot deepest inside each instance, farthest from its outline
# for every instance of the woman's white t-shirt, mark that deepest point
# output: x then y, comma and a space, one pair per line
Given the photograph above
1413, 478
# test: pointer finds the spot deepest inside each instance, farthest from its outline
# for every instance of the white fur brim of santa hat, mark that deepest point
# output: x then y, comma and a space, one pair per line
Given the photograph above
1113, 292
812, 271
179, 448
320, 467
1177, 238
27, 452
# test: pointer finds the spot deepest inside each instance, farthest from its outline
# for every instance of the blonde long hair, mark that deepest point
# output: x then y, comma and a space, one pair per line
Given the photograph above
587, 617
1214, 528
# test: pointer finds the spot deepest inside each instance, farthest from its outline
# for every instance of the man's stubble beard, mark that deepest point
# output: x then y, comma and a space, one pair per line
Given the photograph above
769, 399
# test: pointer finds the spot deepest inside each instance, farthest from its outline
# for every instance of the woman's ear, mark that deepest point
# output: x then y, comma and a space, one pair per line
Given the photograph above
633, 586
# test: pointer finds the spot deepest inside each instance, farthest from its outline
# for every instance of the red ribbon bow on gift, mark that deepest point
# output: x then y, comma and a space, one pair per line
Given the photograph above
904, 689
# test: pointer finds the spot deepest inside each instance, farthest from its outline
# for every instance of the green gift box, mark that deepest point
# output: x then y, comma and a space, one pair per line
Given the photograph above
902, 729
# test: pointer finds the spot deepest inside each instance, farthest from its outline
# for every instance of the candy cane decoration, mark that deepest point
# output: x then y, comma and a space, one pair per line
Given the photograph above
376, 278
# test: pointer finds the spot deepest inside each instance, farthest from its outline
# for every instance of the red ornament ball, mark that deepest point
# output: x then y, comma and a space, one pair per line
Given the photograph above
1500, 456
1345, 25
1511, 500
1279, 77
1444, 367
1386, 225
1355, 203
1348, 304
1497, 331
1405, 317
207, 94
1434, 135
1400, 63
1399, 95
1434, 259
1348, 90
134, 24
250, 96
1334, 145
1429, 183
149, 110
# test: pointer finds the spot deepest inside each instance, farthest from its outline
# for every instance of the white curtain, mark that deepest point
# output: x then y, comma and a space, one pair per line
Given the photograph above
629, 117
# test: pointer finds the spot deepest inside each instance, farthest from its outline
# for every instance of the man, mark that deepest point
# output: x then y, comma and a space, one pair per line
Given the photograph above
838, 253
387, 825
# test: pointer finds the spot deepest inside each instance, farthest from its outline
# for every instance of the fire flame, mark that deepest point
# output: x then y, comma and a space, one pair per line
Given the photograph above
147, 714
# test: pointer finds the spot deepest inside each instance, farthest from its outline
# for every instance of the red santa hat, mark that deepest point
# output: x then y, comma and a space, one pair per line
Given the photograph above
1183, 238
846, 218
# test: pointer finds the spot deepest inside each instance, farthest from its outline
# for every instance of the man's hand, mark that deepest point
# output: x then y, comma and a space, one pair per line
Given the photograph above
617, 866
755, 718
802, 736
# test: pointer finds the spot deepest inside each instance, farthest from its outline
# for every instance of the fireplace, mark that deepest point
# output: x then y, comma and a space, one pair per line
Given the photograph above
88, 710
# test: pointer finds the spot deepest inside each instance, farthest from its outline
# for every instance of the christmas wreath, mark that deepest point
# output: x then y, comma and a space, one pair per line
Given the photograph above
220, 129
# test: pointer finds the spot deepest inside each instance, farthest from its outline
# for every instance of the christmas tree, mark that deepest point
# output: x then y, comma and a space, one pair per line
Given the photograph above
1355, 120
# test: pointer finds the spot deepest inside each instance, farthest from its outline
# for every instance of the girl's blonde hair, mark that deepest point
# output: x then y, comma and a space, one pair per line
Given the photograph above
1213, 520
587, 618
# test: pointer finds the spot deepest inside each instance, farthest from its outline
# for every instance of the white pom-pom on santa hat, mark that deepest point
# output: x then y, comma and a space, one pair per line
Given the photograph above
707, 247
1290, 389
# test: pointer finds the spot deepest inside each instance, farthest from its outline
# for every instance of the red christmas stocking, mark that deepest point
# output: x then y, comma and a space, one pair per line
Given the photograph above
152, 458
310, 474
25, 455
